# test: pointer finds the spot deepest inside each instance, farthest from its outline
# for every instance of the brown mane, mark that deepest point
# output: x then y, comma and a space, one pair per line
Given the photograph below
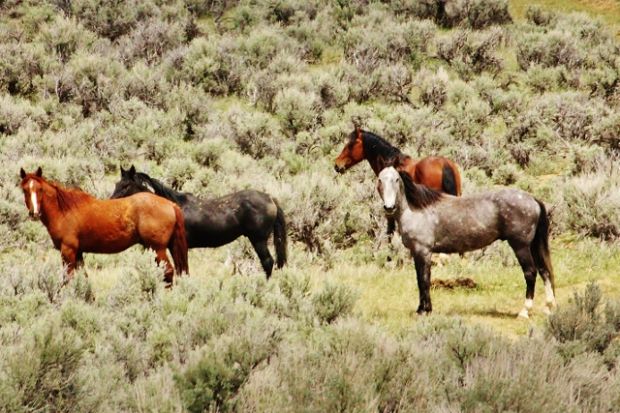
67, 198
418, 196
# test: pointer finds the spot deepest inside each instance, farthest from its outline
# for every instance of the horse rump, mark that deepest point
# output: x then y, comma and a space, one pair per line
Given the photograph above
448, 180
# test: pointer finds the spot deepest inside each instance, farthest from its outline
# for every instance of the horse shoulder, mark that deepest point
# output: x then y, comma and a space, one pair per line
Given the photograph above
417, 228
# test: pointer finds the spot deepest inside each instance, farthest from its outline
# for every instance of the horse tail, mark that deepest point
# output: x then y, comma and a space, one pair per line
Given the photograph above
279, 237
178, 243
450, 180
540, 245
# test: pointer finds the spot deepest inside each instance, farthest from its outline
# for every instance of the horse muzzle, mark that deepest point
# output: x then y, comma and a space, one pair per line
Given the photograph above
34, 216
339, 169
389, 210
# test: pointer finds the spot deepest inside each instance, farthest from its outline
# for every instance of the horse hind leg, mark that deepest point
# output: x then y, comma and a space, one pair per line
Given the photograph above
160, 255
524, 256
266, 260
545, 274
542, 260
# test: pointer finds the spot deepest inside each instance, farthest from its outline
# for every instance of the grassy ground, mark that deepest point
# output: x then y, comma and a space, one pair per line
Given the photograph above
608, 10
389, 296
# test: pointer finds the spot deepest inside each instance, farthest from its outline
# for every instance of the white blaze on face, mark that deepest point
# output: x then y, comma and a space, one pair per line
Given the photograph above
389, 182
33, 199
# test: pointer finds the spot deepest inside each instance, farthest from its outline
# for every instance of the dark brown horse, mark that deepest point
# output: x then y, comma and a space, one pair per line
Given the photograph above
435, 172
78, 223
211, 223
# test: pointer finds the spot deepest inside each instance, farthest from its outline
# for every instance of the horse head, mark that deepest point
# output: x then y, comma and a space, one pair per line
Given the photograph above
32, 186
129, 184
389, 187
352, 153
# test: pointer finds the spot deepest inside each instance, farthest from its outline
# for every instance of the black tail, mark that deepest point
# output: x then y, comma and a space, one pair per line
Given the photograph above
178, 243
540, 245
279, 237
448, 181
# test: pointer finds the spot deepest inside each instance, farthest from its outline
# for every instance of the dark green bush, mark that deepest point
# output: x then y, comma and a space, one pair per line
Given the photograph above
20, 68
539, 16
213, 380
472, 52
111, 19
549, 49
583, 325
43, 373
150, 40
332, 302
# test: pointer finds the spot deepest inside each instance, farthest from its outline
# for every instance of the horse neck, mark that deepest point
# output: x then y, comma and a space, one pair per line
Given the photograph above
50, 209
403, 205
165, 192
377, 163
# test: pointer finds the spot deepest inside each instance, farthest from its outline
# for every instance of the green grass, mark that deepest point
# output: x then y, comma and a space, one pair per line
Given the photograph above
388, 296
608, 10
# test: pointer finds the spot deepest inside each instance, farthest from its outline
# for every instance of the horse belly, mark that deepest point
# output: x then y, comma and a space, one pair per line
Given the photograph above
107, 243
107, 234
211, 237
466, 236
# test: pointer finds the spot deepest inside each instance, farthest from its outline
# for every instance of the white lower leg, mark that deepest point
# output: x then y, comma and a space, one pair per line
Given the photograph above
550, 297
529, 303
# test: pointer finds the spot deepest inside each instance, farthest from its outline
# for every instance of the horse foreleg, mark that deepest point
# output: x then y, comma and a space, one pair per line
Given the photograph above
524, 256
160, 255
422, 261
79, 262
69, 260
266, 260
391, 227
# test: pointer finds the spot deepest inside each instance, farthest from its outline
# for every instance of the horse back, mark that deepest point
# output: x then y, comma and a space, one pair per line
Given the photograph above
110, 226
435, 172
218, 221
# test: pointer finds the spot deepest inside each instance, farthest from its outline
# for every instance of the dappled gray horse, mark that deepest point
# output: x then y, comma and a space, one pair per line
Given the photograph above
429, 221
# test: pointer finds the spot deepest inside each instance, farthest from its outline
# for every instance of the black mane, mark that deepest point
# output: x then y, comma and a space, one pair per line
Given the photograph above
160, 189
375, 144
418, 196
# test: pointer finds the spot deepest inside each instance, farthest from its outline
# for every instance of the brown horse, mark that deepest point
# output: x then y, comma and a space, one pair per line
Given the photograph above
435, 172
78, 223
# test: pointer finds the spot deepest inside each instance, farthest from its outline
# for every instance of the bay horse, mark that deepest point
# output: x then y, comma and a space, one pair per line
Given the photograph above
435, 172
211, 223
429, 221
78, 222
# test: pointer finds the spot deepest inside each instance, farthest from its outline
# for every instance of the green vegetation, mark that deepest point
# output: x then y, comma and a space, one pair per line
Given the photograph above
609, 10
224, 95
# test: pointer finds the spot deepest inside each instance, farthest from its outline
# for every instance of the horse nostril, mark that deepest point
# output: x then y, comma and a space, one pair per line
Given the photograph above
388, 208
338, 169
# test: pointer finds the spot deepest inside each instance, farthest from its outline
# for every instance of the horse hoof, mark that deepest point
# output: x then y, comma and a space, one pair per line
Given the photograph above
523, 314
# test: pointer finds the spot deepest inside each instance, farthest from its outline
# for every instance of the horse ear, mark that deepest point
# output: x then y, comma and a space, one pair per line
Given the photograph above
132, 171
123, 172
39, 172
22, 173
